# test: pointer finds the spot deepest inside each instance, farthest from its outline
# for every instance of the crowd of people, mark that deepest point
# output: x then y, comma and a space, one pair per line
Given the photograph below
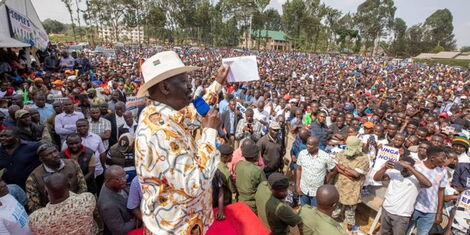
299, 146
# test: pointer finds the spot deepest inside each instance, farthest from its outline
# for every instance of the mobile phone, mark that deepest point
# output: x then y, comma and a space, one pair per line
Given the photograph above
398, 167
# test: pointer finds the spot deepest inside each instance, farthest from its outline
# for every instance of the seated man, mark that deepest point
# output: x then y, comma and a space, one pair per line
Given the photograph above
85, 157
112, 203
66, 213
249, 176
51, 163
318, 221
11, 223
274, 213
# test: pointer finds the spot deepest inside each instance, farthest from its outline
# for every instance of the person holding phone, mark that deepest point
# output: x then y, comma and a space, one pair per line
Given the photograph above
404, 185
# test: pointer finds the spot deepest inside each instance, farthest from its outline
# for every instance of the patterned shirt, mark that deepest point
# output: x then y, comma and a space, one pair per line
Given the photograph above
175, 173
314, 170
350, 190
72, 216
427, 197
99, 128
256, 127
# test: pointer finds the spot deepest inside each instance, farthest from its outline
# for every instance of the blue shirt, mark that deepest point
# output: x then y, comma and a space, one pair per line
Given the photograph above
44, 112
21, 164
223, 106
320, 131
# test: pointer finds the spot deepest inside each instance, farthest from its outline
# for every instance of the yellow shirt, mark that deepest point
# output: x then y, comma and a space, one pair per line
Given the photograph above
174, 172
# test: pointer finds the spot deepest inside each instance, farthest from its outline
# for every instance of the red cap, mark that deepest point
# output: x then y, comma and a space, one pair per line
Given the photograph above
444, 115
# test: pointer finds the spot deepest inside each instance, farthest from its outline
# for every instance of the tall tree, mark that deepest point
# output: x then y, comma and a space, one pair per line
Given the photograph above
373, 18
293, 19
273, 19
68, 5
53, 26
332, 17
439, 29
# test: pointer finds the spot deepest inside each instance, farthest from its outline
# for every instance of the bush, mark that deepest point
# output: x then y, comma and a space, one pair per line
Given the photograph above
438, 49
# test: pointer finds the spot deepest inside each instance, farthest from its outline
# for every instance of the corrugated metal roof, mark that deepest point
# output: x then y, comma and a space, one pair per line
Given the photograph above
274, 35
446, 55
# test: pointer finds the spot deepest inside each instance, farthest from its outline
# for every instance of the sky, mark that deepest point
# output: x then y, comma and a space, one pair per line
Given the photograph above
412, 11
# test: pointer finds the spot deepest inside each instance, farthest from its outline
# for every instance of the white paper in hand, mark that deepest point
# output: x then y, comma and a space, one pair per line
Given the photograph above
242, 69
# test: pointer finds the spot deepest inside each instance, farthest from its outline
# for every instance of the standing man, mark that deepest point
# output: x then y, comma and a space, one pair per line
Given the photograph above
352, 167
249, 127
99, 125
313, 166
230, 120
45, 110
430, 201
272, 209
401, 194
129, 125
117, 119
320, 129
65, 123
270, 147
317, 220
186, 174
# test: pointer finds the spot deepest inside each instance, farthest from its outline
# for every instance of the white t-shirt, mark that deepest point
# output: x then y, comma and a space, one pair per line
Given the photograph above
14, 219
261, 116
401, 193
427, 197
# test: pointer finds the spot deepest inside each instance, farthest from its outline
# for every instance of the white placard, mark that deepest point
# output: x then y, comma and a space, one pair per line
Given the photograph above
385, 154
242, 69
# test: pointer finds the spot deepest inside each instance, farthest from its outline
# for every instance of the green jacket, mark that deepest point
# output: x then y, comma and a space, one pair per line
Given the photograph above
316, 222
249, 176
275, 214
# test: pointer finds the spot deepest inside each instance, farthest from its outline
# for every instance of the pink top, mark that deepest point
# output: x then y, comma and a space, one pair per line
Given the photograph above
237, 156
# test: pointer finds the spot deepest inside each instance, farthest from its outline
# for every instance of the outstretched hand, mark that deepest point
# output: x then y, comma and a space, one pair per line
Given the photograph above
222, 74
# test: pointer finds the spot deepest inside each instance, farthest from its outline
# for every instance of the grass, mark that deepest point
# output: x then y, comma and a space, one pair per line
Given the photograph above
450, 62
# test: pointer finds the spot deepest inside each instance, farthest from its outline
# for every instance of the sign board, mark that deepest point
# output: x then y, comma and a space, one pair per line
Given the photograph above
23, 29
385, 154
133, 104
462, 213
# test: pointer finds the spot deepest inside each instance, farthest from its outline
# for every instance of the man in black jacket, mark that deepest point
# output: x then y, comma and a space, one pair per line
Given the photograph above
117, 119
230, 121
28, 130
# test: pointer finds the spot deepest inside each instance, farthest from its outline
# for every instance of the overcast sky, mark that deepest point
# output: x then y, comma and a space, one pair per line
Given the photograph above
412, 11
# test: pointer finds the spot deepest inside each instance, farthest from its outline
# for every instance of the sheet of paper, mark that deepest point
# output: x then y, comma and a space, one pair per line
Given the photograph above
242, 69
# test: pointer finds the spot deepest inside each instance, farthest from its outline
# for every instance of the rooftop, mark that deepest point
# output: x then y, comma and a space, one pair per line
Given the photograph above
274, 35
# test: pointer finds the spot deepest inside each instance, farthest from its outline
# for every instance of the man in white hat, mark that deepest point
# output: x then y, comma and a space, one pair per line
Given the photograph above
174, 171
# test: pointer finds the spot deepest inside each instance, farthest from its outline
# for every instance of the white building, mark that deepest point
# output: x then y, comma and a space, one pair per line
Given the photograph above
125, 34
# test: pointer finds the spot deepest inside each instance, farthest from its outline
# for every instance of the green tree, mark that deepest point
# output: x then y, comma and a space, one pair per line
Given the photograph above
53, 26
465, 49
398, 45
68, 5
373, 18
415, 40
439, 29
293, 19
273, 20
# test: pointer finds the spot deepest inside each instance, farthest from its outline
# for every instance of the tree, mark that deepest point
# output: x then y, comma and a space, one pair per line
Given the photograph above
273, 20
465, 49
53, 26
398, 45
439, 29
373, 18
332, 17
68, 5
293, 18
415, 40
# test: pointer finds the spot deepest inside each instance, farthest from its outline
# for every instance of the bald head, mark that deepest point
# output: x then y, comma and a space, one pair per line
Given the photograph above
327, 197
304, 133
112, 172
57, 187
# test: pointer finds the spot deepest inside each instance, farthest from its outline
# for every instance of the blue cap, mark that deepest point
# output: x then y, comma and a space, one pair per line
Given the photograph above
201, 106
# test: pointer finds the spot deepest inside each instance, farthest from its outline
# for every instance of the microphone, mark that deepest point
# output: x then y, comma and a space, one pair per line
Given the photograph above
202, 107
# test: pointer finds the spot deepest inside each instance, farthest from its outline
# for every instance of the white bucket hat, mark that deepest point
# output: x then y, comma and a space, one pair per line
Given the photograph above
159, 67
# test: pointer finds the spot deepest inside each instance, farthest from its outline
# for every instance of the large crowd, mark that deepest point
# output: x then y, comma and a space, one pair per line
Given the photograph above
301, 146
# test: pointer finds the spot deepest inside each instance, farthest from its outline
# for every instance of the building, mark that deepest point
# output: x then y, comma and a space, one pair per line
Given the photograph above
274, 40
132, 35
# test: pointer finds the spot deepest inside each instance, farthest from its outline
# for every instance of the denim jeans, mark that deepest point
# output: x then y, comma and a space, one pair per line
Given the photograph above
308, 200
423, 221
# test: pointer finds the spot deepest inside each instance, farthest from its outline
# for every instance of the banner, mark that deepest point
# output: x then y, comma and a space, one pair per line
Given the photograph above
385, 154
23, 29
133, 104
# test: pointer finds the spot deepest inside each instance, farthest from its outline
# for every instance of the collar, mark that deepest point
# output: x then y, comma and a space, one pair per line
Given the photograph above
168, 112
49, 170
133, 124
69, 154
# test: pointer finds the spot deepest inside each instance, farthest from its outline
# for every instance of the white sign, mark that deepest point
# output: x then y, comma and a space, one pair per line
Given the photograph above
242, 69
23, 29
385, 154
